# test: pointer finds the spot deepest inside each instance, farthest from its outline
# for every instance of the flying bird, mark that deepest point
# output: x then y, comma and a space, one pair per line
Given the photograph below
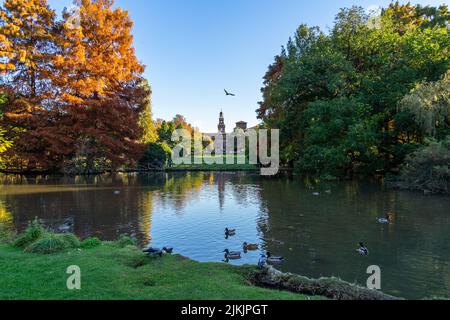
228, 93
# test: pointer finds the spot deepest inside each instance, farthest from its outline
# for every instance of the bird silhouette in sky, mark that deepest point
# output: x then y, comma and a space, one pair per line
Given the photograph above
228, 93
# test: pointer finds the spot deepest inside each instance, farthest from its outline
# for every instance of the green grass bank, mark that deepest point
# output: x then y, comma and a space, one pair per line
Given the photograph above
109, 272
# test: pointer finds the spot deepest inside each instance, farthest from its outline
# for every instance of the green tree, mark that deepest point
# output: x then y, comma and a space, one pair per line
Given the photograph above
164, 132
340, 138
149, 134
310, 67
155, 156
429, 103
361, 63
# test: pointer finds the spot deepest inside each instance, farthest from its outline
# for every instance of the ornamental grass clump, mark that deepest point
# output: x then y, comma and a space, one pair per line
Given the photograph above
34, 231
53, 243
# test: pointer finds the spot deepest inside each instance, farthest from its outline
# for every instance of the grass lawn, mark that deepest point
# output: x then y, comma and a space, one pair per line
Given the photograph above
223, 166
109, 273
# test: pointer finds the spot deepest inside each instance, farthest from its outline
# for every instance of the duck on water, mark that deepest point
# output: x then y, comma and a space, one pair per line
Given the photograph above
66, 226
362, 250
387, 219
230, 232
232, 255
250, 246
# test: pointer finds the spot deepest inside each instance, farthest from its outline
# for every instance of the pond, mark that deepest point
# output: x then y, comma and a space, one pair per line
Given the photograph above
316, 229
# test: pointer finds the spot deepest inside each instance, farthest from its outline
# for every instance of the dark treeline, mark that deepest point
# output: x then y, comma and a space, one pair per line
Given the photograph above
366, 96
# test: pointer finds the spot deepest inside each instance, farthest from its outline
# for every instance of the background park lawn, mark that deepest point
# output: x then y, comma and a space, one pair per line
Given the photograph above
217, 166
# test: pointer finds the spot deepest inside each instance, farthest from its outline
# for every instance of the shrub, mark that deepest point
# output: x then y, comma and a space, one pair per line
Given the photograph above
70, 241
427, 169
155, 156
80, 165
90, 243
34, 231
125, 240
53, 243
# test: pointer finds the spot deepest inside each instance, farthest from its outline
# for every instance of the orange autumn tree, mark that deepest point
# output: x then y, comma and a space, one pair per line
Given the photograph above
75, 87
99, 81
27, 35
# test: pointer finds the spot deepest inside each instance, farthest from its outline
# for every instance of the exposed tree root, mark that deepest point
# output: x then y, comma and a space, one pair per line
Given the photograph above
332, 288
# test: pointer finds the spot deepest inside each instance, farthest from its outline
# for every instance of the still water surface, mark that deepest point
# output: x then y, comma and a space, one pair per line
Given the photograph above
317, 235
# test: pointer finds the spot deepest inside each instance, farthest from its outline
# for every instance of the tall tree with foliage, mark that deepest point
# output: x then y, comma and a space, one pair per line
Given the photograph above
146, 122
27, 45
165, 130
101, 89
76, 91
335, 96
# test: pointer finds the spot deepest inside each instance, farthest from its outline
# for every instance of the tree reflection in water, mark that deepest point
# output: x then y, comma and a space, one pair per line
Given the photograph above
317, 235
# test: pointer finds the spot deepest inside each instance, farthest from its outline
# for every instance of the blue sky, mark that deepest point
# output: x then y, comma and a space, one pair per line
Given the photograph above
193, 49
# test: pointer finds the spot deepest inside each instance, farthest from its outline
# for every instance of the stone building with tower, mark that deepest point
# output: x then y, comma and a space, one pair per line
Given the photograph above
240, 125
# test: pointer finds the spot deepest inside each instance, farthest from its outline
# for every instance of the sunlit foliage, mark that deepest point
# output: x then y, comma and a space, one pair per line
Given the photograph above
335, 96
430, 105
76, 91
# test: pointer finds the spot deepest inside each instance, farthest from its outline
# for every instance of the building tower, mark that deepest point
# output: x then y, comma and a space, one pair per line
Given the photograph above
221, 125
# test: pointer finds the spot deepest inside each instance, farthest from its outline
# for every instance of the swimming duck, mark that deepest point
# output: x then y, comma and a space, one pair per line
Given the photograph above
274, 259
250, 246
153, 251
66, 226
316, 194
230, 232
232, 255
362, 249
385, 220
117, 192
